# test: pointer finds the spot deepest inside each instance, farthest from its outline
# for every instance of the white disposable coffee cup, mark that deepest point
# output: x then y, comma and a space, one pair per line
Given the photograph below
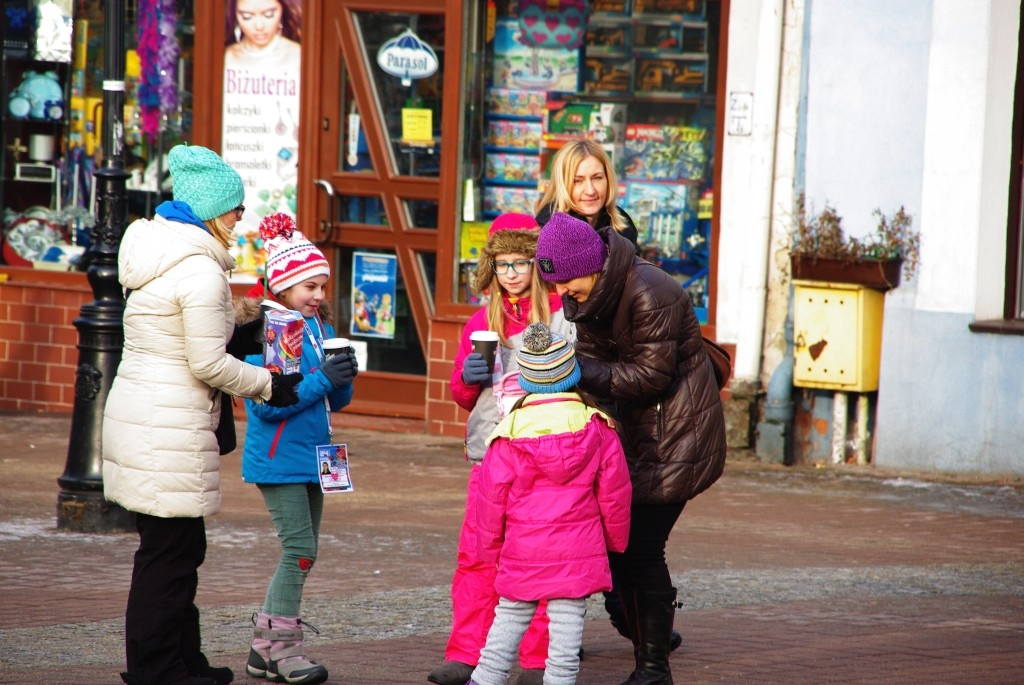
333, 346
486, 343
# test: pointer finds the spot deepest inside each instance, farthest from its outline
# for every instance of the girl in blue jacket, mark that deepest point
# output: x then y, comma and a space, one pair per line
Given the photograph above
280, 452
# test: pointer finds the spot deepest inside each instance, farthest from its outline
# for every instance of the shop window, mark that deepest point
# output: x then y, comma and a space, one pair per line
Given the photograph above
372, 308
410, 111
353, 209
1014, 306
52, 85
421, 213
1013, 298
353, 154
643, 85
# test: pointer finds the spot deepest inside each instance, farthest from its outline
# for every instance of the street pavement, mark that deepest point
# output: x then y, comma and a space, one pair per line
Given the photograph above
787, 575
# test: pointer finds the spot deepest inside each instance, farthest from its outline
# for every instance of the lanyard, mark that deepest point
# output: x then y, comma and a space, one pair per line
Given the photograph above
316, 342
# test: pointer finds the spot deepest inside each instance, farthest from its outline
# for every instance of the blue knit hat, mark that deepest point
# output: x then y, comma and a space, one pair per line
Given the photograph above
547, 362
204, 181
568, 248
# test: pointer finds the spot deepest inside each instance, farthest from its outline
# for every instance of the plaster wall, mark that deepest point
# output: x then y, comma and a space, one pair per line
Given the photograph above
949, 399
866, 106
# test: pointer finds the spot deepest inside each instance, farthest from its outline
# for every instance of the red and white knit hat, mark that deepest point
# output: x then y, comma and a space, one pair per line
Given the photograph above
291, 258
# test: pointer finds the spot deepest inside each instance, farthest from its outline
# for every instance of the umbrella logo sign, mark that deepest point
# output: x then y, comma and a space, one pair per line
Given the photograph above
407, 57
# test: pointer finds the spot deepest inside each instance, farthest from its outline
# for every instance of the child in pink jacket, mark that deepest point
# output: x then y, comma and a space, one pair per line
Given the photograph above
554, 498
518, 297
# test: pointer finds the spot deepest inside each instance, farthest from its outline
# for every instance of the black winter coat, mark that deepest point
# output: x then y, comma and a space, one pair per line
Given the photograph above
640, 347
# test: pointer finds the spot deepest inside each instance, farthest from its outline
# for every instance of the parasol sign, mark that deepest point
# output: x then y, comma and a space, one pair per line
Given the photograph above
407, 57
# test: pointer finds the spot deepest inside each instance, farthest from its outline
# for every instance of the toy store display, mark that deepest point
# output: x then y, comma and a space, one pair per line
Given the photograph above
520, 64
511, 150
40, 226
564, 120
655, 48
665, 153
39, 96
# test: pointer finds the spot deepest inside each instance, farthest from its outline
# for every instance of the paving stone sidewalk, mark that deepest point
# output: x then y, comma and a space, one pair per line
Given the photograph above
787, 575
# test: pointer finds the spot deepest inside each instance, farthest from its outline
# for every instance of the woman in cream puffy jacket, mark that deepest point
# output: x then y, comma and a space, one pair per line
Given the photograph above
160, 454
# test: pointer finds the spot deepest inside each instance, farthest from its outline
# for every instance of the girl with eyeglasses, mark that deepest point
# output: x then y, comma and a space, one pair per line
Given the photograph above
518, 297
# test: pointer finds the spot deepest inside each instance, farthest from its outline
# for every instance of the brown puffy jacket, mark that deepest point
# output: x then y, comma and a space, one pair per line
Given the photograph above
641, 350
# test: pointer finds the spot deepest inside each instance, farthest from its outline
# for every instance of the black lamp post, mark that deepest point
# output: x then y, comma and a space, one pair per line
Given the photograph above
80, 505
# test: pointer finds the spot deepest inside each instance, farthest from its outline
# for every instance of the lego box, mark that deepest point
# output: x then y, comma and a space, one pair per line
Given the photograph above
282, 341
665, 153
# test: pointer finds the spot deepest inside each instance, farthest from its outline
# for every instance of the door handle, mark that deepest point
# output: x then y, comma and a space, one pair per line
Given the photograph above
324, 227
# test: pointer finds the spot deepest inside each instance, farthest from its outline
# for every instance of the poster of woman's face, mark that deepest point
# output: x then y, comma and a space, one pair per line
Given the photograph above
260, 135
258, 21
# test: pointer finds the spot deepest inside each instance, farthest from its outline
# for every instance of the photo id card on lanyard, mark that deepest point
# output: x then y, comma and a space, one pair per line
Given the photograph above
332, 463
331, 460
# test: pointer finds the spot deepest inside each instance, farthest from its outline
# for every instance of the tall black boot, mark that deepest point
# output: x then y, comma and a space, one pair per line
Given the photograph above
656, 611
613, 605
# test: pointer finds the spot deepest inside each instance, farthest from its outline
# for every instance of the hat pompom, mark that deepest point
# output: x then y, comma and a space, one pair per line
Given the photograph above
537, 337
277, 225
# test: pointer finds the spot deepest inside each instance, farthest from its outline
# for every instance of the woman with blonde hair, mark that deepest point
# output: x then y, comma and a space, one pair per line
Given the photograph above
583, 184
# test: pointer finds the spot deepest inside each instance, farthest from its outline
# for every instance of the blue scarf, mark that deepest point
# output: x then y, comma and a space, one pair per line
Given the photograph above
176, 210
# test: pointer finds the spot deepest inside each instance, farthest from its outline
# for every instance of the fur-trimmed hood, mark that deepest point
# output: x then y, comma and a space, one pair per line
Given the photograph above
247, 309
521, 241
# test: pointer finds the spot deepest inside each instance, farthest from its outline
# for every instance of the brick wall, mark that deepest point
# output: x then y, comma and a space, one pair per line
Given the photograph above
38, 341
444, 417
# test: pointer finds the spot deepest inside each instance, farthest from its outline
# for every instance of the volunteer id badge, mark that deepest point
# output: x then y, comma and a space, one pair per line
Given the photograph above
332, 465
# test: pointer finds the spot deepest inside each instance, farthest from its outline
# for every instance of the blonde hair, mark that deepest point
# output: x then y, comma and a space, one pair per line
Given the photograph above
224, 235
564, 165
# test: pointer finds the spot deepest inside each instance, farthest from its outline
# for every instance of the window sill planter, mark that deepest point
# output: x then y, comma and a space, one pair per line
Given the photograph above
871, 273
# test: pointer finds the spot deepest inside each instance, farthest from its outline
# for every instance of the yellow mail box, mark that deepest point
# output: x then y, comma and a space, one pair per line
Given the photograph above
837, 336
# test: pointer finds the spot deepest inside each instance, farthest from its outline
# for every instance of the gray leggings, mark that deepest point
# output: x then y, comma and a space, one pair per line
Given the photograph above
295, 509
511, 619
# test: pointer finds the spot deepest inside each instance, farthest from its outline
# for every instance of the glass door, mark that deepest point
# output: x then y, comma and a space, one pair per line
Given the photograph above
378, 176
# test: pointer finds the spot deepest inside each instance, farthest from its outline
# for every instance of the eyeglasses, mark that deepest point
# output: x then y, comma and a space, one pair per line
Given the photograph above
520, 266
239, 211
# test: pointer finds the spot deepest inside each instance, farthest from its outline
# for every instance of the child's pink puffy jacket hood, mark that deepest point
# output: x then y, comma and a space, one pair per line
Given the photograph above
553, 502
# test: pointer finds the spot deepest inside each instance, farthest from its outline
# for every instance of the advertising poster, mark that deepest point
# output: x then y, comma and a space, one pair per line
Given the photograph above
260, 135
374, 279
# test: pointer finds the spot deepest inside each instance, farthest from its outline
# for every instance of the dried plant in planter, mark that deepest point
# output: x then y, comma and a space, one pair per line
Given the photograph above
820, 237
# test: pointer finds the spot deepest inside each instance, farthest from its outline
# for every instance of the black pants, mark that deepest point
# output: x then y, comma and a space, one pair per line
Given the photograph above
162, 638
642, 566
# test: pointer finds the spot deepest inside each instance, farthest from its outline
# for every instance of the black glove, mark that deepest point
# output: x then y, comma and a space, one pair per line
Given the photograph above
282, 389
247, 339
474, 369
340, 369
